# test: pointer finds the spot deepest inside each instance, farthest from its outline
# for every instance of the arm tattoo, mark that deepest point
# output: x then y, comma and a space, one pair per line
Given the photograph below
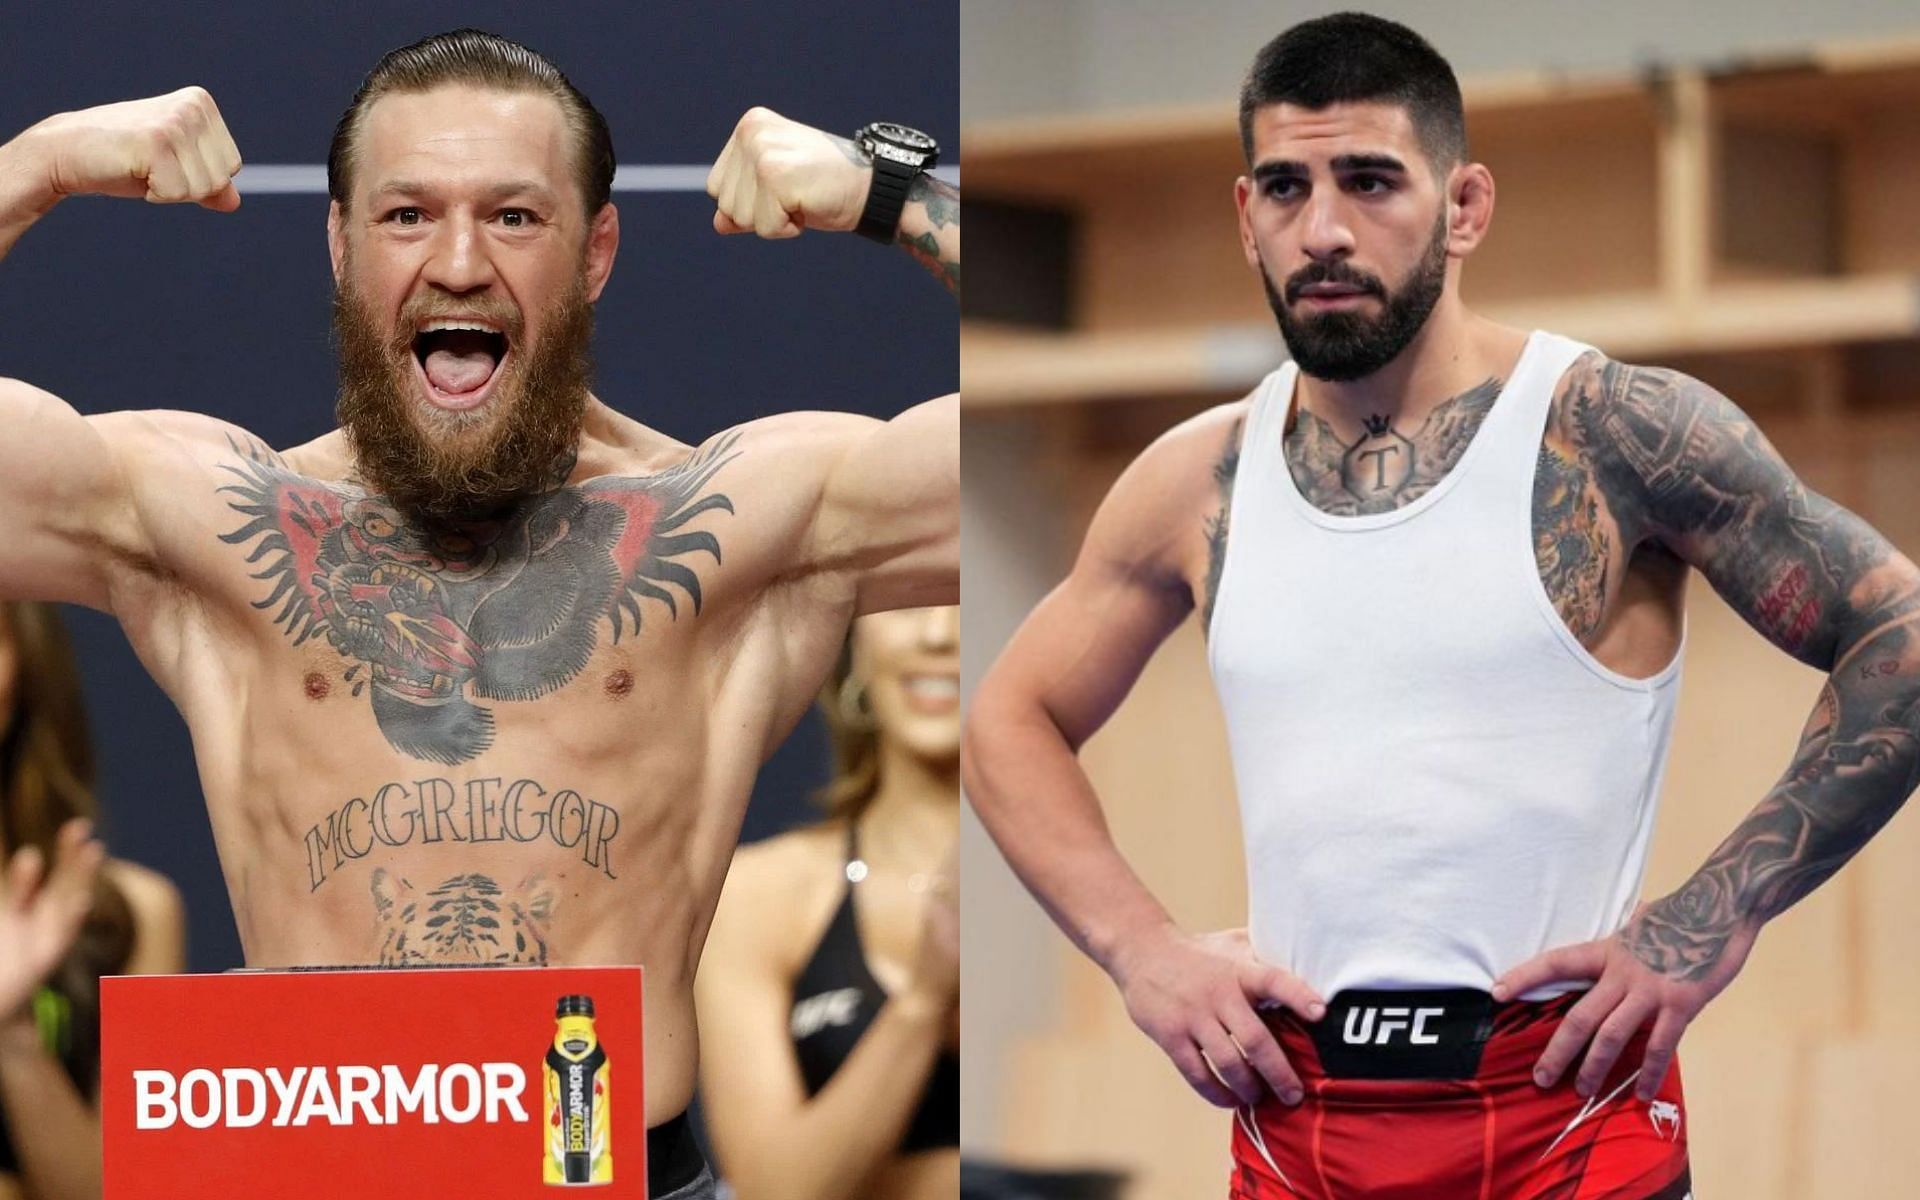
941, 201
508, 609
1858, 761
1223, 475
1571, 544
1681, 465
1384, 469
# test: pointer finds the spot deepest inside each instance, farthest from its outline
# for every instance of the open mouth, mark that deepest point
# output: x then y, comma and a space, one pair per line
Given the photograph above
932, 693
459, 360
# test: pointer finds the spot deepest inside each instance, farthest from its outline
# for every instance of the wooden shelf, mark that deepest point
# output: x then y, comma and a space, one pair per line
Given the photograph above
1002, 367
1760, 207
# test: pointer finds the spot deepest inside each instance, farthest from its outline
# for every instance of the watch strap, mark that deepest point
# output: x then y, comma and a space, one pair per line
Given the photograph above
886, 199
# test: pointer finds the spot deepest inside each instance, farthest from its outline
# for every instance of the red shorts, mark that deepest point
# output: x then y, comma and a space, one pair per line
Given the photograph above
1430, 1096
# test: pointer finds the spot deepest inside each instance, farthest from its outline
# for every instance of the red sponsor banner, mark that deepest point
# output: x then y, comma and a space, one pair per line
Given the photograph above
411, 1085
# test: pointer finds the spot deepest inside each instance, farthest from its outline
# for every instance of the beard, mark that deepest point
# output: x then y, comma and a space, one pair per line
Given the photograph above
440, 467
1343, 346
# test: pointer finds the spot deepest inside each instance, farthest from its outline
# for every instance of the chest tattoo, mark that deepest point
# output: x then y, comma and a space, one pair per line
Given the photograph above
502, 610
1383, 469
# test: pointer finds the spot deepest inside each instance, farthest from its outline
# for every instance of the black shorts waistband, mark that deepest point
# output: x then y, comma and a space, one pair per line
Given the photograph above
674, 1159
1435, 1033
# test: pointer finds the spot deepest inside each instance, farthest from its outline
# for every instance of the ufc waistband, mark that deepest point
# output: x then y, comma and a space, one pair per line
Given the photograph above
1436, 1034
1429, 1095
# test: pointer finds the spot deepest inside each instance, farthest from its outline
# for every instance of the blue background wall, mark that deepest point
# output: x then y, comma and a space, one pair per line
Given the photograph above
118, 304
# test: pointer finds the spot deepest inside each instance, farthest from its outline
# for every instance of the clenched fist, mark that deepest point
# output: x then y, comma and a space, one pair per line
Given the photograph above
170, 149
776, 177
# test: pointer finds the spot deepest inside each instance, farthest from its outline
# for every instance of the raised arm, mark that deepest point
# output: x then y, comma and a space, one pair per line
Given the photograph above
777, 178
1683, 467
890, 510
1061, 676
930, 228
66, 512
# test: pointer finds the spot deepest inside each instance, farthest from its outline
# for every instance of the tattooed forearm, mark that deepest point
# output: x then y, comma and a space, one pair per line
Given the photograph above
1223, 474
1858, 761
940, 199
1683, 466
930, 228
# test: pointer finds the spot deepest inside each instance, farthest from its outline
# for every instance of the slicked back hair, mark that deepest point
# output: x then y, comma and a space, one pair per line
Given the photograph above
479, 59
1357, 57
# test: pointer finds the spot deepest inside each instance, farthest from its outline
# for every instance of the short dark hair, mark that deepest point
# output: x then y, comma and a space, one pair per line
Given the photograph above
473, 56
1355, 56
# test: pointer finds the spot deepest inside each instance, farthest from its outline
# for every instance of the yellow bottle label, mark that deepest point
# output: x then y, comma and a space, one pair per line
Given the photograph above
577, 1111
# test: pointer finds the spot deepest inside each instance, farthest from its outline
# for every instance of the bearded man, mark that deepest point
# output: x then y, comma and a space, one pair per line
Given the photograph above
486, 674
1440, 564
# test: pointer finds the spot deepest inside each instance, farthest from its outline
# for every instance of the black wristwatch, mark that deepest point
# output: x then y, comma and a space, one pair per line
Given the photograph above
899, 155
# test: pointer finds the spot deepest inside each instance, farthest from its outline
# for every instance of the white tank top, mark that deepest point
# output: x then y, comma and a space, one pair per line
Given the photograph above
1437, 781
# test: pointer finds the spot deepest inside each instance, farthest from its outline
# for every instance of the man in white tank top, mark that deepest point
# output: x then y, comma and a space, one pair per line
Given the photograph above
1508, 519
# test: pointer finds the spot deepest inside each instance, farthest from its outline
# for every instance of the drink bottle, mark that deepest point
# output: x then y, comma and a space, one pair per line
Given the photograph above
579, 1148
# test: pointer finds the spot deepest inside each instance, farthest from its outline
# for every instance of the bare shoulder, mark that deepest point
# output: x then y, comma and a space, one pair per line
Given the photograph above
154, 437
159, 917
789, 866
1651, 430
780, 891
1155, 516
1602, 401
809, 443
146, 889
1202, 435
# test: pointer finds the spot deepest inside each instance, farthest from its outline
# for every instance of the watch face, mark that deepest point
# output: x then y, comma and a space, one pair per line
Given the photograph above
903, 136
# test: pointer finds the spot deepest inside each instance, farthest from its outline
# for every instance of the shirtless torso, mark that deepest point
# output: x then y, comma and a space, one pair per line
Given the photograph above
529, 740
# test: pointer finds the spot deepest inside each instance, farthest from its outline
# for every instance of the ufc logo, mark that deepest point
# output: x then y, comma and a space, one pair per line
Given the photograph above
1378, 1025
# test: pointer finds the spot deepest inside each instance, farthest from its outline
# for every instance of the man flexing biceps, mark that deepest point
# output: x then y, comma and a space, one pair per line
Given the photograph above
486, 674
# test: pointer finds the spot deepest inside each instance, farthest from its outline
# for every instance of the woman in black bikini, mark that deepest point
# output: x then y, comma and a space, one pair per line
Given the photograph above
829, 992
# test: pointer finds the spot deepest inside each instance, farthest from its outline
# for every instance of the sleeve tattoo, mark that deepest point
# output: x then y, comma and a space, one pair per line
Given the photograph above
926, 239
1688, 469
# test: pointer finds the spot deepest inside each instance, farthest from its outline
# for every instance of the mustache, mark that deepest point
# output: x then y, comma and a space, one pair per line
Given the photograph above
1336, 273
